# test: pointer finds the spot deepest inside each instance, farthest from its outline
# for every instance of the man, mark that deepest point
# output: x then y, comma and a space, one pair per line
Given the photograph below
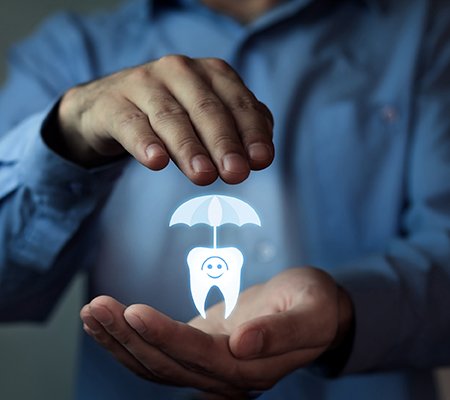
359, 188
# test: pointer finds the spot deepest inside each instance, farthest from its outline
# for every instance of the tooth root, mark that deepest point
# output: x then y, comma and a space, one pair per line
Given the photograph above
199, 290
199, 296
231, 298
199, 285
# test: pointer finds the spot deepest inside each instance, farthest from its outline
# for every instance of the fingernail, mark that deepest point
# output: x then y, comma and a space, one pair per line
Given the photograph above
235, 163
102, 315
202, 163
155, 151
91, 324
259, 152
89, 330
251, 344
135, 322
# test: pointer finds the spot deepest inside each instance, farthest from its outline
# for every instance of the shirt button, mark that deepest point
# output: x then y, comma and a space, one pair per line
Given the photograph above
265, 251
389, 114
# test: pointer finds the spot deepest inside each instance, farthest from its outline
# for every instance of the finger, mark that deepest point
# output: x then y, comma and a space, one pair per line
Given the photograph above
129, 126
210, 118
280, 333
158, 330
94, 329
214, 324
160, 366
171, 123
263, 373
117, 335
209, 354
254, 121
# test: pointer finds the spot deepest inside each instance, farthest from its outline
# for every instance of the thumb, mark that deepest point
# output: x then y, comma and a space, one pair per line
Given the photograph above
282, 333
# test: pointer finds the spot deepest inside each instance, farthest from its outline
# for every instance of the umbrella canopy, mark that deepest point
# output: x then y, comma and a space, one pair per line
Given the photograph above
215, 210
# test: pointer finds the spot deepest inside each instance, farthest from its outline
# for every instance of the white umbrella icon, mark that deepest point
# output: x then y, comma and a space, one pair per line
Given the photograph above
215, 210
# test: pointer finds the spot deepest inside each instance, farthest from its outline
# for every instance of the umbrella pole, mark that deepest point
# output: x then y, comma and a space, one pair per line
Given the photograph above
215, 237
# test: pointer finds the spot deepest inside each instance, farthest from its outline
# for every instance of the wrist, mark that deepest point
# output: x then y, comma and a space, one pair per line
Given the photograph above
332, 362
67, 143
345, 319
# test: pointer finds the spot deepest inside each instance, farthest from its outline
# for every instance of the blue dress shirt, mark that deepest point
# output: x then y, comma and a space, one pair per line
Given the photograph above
360, 91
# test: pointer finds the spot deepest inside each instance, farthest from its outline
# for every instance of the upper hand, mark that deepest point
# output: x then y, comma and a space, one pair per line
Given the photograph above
197, 112
276, 328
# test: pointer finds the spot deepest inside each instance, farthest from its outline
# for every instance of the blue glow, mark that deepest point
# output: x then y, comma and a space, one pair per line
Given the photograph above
206, 265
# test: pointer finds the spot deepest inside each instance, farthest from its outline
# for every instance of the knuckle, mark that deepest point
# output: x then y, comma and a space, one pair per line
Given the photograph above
267, 114
70, 96
162, 374
77, 101
224, 143
133, 126
246, 103
124, 338
252, 133
149, 373
201, 365
204, 363
176, 61
205, 106
219, 65
139, 353
187, 145
105, 340
240, 377
131, 118
167, 110
139, 74
156, 336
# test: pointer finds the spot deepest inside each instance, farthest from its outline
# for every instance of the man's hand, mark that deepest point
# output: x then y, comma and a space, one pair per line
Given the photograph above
276, 328
197, 112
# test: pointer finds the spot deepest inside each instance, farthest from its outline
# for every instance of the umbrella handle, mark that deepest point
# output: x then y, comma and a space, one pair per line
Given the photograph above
215, 237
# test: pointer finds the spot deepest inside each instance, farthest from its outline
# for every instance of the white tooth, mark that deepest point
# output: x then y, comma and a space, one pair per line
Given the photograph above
215, 267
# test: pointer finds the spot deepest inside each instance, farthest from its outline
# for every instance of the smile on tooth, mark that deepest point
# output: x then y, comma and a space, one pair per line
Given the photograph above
214, 267
220, 267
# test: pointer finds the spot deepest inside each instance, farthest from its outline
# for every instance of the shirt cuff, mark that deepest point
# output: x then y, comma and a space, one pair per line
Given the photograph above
56, 197
46, 172
373, 289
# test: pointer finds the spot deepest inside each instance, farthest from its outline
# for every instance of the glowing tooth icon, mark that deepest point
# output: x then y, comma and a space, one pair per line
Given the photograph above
215, 267
208, 268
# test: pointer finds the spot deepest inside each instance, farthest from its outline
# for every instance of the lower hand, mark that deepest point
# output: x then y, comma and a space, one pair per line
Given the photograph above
276, 328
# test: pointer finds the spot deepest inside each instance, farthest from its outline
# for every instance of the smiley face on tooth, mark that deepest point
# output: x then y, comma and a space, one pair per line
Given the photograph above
215, 267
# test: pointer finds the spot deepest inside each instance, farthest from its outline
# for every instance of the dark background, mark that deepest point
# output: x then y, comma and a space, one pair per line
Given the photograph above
36, 361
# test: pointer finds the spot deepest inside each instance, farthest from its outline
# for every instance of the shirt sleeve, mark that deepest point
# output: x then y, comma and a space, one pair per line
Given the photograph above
402, 297
45, 201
